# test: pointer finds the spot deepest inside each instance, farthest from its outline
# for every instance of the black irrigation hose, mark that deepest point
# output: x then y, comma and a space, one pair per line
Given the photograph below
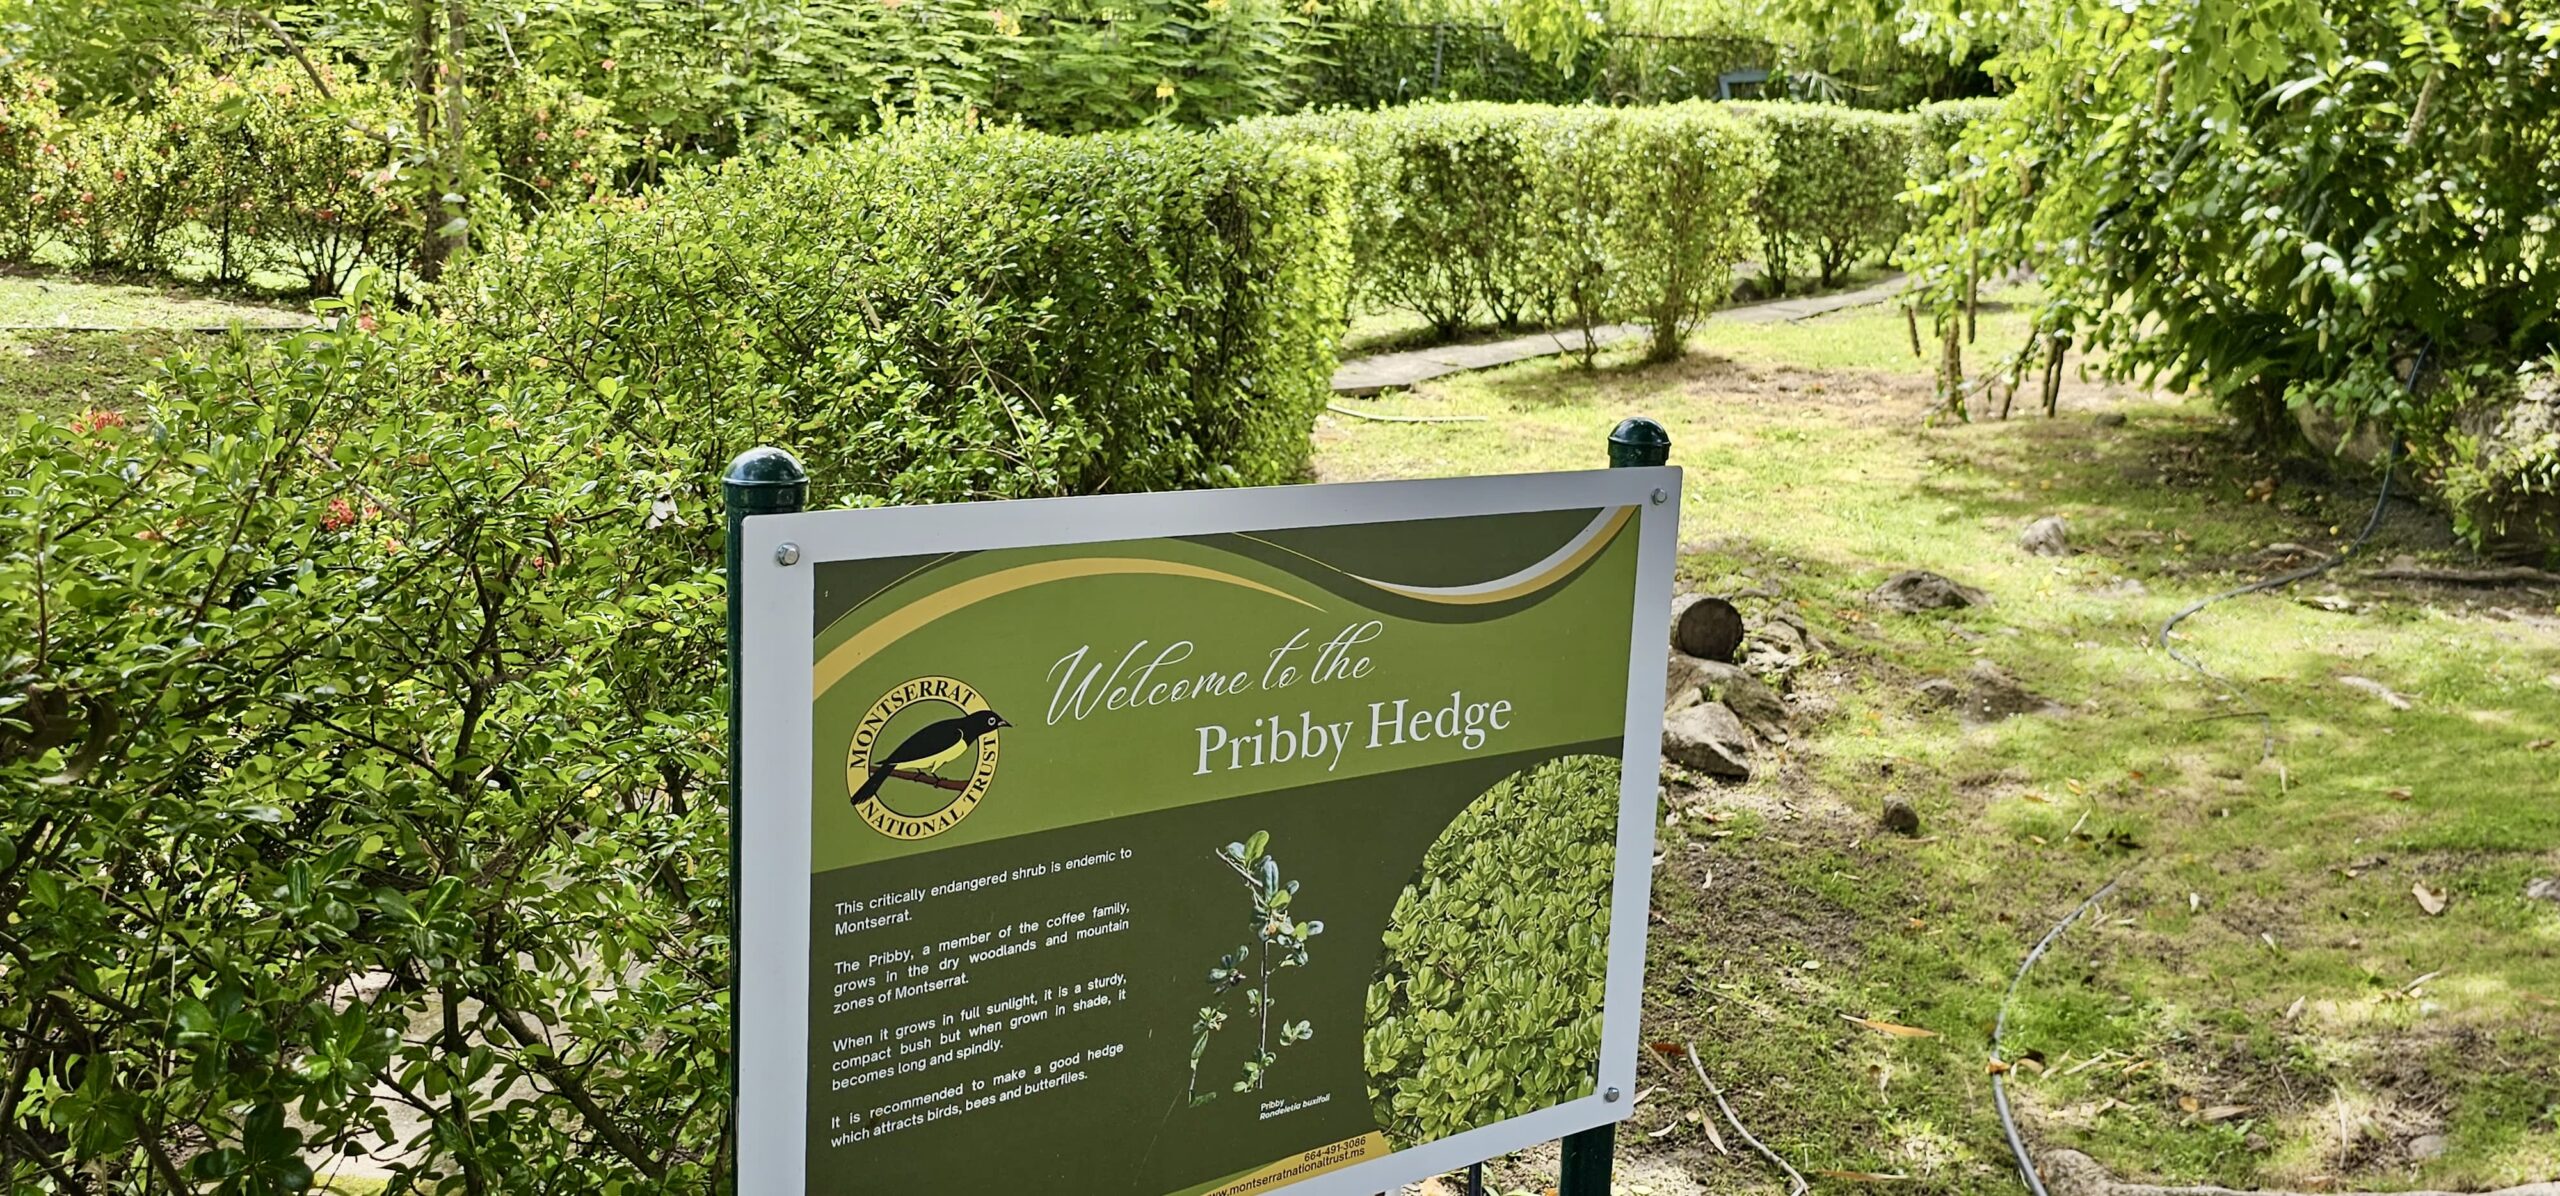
2000, 1027
2372, 523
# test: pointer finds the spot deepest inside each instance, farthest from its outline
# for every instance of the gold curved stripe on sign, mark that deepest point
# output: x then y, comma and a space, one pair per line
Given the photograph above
897, 624
1602, 532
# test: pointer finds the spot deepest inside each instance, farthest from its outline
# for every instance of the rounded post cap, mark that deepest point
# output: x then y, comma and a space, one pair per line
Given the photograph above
1638, 441
765, 467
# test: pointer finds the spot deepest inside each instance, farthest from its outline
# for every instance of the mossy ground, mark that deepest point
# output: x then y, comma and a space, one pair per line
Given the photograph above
2247, 1008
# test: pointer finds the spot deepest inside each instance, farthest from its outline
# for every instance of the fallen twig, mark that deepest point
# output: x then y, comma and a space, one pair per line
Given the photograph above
1796, 1185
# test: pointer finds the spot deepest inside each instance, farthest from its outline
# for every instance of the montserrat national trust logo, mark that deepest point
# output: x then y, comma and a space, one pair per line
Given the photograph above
941, 757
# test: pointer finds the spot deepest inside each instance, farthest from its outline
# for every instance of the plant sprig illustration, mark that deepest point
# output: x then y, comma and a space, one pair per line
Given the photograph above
1278, 942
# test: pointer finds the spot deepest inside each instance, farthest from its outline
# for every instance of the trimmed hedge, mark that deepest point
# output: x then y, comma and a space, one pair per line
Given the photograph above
938, 314
344, 629
1833, 201
1939, 126
1535, 213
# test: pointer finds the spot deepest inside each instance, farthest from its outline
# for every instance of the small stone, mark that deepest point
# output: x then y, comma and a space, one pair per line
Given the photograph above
2426, 1146
1759, 706
2543, 888
2122, 587
1709, 739
1684, 676
1900, 818
2049, 536
1916, 590
2111, 419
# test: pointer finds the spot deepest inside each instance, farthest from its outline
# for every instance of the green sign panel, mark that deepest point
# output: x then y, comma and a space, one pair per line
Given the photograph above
1179, 845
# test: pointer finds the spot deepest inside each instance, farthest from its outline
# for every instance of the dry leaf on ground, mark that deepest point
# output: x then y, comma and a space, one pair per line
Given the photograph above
2432, 900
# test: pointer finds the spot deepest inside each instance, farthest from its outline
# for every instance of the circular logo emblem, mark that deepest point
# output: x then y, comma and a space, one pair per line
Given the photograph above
922, 757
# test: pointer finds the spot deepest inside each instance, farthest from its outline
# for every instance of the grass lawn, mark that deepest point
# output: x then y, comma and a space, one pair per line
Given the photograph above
2263, 1001
55, 361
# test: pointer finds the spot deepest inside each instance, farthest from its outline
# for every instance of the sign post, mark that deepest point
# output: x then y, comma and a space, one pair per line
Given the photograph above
1589, 1157
759, 481
1203, 844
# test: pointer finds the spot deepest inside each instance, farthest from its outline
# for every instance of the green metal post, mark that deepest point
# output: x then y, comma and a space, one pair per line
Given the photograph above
1638, 442
1589, 1155
761, 481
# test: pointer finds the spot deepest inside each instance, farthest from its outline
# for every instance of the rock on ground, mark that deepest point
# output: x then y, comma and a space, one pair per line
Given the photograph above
1780, 645
2543, 888
1914, 591
1708, 738
1733, 687
1899, 817
2049, 536
1988, 694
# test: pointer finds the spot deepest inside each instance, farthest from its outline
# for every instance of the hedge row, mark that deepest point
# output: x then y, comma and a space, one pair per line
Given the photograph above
1534, 214
1539, 214
392, 647
260, 167
1834, 200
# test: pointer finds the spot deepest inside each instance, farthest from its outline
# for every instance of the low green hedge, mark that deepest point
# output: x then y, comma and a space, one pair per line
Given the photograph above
939, 314
1939, 126
1832, 200
1536, 213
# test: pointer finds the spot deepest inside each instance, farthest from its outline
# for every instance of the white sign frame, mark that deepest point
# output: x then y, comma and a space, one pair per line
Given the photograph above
776, 741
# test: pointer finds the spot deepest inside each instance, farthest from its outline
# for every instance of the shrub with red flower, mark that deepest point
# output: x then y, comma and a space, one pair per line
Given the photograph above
95, 420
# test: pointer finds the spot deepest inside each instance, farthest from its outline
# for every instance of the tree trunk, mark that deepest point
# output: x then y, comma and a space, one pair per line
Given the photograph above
422, 124
457, 136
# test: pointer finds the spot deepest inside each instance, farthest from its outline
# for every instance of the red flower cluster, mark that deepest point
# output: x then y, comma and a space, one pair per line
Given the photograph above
341, 514
96, 418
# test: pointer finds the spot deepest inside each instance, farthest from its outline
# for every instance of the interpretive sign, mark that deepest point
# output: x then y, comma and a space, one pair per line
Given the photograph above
1195, 844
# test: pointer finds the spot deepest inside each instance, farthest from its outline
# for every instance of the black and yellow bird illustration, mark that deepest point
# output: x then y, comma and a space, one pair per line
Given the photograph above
929, 748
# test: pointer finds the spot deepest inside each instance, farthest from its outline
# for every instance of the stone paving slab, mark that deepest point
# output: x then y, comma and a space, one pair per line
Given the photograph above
1388, 371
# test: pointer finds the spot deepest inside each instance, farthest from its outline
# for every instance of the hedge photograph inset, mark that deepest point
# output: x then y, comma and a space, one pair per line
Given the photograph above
1486, 1003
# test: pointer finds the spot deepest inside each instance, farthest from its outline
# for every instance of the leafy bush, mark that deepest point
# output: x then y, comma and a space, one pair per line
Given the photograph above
31, 133
124, 187
545, 143
369, 678
1487, 1002
1443, 222
1832, 199
2279, 215
1937, 128
333, 187
344, 700
1685, 178
943, 314
1531, 212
